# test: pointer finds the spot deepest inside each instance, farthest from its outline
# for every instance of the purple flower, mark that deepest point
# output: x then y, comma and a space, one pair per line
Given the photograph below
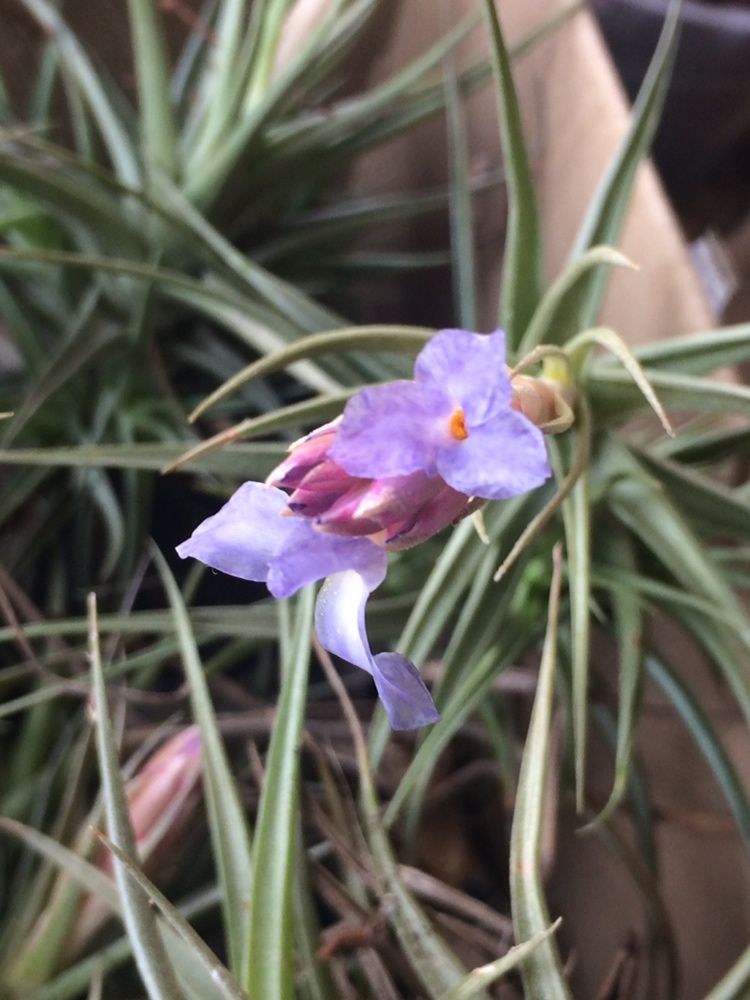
455, 420
403, 462
251, 538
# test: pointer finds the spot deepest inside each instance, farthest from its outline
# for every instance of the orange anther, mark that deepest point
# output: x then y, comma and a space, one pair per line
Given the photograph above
458, 425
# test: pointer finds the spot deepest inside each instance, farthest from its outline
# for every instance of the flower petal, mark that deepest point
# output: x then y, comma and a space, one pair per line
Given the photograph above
340, 624
243, 536
503, 458
309, 555
406, 700
392, 430
446, 507
304, 455
470, 369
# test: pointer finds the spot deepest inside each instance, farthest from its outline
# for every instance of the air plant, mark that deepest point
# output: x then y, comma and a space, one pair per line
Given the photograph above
124, 276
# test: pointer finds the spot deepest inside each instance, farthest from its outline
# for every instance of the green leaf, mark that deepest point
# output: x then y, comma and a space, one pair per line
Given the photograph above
643, 509
255, 460
432, 960
461, 219
713, 507
613, 393
229, 834
578, 348
352, 338
156, 970
541, 971
699, 353
227, 986
71, 983
217, 90
269, 19
311, 411
271, 959
603, 220
706, 738
485, 975
253, 324
35, 954
523, 261
73, 56
557, 311
629, 622
102, 887
705, 446
577, 521
159, 133
78, 199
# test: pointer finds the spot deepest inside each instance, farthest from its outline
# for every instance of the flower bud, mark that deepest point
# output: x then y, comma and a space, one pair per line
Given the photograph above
161, 799
396, 512
545, 402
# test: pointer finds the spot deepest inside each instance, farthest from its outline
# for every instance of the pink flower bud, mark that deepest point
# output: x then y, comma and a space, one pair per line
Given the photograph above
162, 795
396, 512
162, 798
304, 455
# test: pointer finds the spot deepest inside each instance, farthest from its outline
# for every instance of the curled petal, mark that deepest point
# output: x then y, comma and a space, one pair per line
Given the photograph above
446, 507
470, 369
392, 430
242, 537
503, 458
407, 702
340, 624
309, 555
342, 516
321, 487
380, 504
250, 538
303, 456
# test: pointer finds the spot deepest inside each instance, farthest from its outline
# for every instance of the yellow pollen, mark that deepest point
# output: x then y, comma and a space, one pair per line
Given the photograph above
457, 425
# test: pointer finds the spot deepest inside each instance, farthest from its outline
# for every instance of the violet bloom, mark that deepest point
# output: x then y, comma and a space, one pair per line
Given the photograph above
402, 463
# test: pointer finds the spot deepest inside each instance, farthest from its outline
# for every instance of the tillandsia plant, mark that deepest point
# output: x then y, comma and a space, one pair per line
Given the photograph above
519, 504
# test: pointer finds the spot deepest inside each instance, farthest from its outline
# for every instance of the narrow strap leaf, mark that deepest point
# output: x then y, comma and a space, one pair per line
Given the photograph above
628, 626
578, 466
578, 350
111, 127
353, 338
557, 313
706, 738
227, 824
541, 971
310, 411
485, 975
461, 220
577, 521
227, 986
270, 974
522, 269
154, 93
603, 220
698, 353
155, 969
